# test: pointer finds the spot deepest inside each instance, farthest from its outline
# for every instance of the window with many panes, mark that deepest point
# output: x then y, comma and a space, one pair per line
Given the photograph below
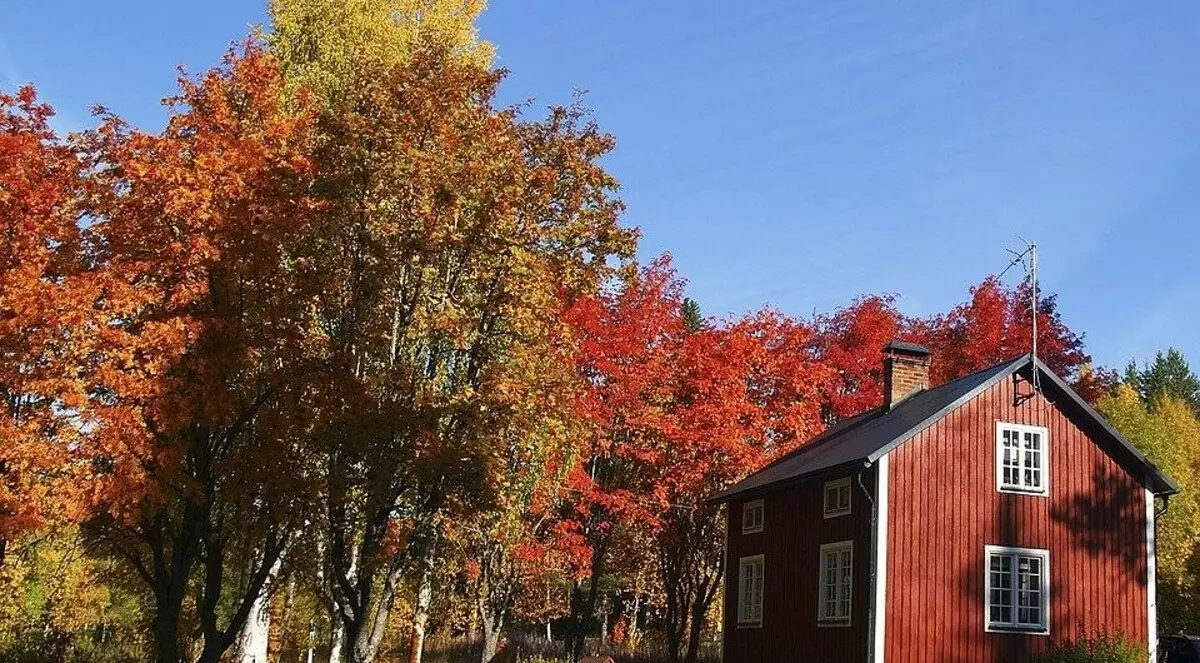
750, 591
837, 497
1018, 589
837, 577
752, 517
1022, 459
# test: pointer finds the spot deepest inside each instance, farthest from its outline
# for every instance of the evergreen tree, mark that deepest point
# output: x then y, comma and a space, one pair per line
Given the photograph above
1168, 375
692, 320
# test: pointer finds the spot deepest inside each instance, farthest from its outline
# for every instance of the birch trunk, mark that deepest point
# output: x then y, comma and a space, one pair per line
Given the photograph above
255, 637
416, 640
337, 639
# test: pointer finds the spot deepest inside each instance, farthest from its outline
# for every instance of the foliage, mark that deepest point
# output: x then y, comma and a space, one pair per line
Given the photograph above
58, 601
1102, 647
1169, 434
321, 43
45, 318
995, 325
191, 227
1168, 375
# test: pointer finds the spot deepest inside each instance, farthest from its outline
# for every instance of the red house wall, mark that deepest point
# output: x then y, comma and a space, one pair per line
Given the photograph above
794, 528
944, 507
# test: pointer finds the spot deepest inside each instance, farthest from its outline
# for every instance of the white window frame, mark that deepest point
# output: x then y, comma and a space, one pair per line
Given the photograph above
750, 612
837, 485
1014, 626
749, 508
836, 620
1044, 460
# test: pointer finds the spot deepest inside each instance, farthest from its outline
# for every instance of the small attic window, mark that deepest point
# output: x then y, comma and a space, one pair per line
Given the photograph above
837, 498
752, 517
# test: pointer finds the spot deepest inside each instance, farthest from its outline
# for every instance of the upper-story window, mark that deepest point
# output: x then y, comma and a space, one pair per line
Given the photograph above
1022, 459
837, 497
752, 517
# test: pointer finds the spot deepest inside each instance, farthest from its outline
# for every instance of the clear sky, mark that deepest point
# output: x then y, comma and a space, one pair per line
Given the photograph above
801, 154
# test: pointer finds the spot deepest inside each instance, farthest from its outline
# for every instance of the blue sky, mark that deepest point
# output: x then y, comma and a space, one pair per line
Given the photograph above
801, 154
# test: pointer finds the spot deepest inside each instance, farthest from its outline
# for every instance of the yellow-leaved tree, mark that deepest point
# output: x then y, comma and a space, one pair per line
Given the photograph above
1169, 434
318, 42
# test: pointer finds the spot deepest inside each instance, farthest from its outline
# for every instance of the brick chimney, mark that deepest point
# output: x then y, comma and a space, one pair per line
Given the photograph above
905, 371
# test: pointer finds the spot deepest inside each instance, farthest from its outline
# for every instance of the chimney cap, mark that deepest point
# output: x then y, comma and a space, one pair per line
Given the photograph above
906, 349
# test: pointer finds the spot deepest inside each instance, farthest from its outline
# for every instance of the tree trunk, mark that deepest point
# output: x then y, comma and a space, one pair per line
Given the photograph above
491, 641
166, 634
255, 635
337, 638
699, 609
633, 632
583, 604
604, 624
416, 638
312, 639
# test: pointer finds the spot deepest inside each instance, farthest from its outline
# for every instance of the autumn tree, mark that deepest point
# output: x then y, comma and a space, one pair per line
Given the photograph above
1168, 432
628, 337
994, 325
322, 42
680, 407
190, 228
743, 393
997, 325
849, 342
450, 235
45, 301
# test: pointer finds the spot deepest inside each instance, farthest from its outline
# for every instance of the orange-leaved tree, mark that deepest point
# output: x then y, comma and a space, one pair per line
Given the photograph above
191, 230
46, 303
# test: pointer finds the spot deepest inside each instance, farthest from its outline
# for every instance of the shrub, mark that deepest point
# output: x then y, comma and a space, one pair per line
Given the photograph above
1102, 647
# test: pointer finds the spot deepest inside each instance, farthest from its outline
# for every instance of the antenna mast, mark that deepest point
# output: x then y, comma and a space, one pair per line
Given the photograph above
1033, 305
1031, 270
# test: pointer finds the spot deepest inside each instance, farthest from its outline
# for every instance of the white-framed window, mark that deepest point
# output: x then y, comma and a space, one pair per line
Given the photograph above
837, 497
1018, 589
1022, 459
750, 591
752, 517
837, 580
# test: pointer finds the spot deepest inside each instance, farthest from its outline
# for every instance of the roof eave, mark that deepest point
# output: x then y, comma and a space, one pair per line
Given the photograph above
734, 493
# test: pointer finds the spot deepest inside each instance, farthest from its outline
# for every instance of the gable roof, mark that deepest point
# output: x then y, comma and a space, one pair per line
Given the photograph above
864, 439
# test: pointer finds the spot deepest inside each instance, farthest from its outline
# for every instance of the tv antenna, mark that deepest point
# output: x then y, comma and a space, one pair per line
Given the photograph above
1028, 260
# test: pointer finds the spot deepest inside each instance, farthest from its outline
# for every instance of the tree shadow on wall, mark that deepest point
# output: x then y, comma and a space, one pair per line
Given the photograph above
974, 643
1100, 521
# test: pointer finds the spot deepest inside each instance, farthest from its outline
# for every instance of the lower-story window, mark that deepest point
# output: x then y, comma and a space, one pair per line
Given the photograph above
750, 591
837, 577
1018, 589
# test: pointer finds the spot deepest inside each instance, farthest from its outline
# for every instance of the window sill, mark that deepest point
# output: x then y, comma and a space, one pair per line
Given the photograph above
836, 514
752, 531
1018, 630
833, 623
742, 625
1019, 491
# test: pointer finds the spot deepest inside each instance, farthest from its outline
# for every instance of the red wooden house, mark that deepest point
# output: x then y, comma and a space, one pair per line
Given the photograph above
981, 520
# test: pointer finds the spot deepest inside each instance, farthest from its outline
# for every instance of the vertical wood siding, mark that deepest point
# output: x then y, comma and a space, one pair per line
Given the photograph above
793, 530
945, 508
